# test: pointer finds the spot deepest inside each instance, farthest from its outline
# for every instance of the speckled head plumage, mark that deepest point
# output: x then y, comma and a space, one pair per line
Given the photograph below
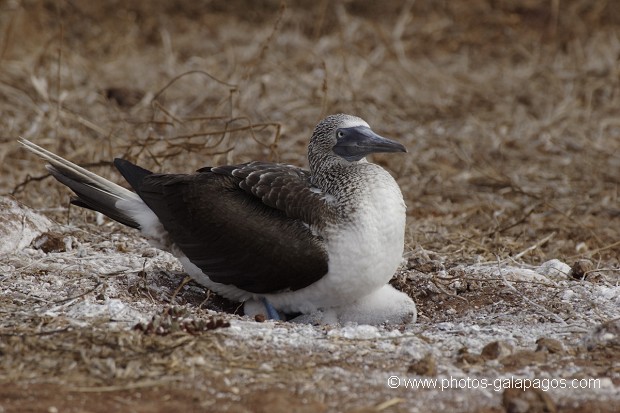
324, 138
343, 139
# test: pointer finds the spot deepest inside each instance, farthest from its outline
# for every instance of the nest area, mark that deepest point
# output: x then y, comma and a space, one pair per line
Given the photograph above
509, 110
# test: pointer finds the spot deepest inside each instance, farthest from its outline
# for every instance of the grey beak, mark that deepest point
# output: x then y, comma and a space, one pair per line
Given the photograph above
355, 143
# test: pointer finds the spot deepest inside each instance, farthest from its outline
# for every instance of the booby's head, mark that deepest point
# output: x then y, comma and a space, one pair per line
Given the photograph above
346, 139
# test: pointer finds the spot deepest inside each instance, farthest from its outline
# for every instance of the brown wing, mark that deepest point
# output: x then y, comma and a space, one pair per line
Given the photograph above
283, 187
243, 225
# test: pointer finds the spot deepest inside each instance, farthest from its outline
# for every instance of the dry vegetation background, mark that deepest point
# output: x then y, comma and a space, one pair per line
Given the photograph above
510, 109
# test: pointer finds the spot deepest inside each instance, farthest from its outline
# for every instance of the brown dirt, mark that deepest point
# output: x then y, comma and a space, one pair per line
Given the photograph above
509, 110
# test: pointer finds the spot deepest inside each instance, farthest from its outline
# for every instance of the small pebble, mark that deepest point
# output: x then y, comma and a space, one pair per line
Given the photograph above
554, 269
524, 358
496, 350
527, 401
465, 357
550, 345
581, 268
426, 366
49, 242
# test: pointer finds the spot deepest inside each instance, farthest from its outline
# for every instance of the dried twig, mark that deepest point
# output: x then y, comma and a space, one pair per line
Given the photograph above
533, 247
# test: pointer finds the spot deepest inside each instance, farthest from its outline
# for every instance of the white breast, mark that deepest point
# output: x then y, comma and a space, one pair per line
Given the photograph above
364, 254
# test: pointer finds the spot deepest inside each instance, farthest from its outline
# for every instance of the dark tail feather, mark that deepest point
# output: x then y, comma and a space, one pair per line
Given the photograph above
93, 191
94, 198
132, 173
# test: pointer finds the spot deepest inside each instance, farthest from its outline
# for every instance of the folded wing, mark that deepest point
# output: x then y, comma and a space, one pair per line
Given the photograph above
246, 225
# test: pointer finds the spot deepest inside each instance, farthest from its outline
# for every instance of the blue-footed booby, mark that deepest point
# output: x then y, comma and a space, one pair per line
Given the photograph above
324, 241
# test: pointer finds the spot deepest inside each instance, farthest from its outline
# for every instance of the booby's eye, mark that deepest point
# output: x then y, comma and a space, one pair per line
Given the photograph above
340, 134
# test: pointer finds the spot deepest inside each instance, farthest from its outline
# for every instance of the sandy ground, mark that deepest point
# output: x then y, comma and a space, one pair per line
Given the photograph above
509, 110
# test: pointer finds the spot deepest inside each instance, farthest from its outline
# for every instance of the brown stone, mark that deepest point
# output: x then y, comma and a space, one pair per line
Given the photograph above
524, 358
549, 345
527, 401
496, 350
426, 366
581, 268
465, 357
49, 242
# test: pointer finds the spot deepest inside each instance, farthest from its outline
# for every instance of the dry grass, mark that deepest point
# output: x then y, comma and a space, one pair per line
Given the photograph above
509, 110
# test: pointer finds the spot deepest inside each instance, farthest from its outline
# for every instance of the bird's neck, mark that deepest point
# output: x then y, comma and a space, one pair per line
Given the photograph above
346, 181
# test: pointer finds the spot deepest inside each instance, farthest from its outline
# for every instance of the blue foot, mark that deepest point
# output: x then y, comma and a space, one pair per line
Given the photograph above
272, 313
